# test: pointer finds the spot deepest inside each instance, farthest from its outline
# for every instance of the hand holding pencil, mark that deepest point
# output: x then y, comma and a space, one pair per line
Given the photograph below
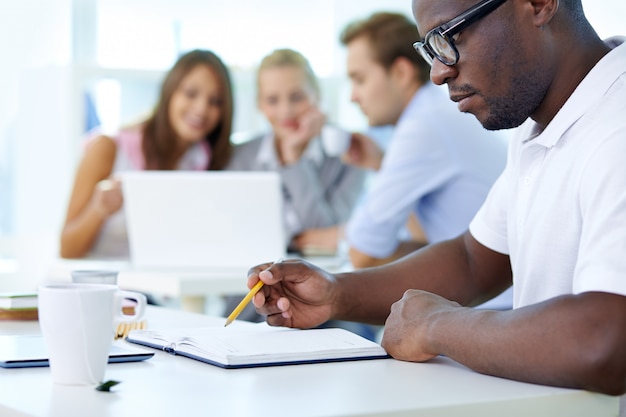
294, 293
244, 302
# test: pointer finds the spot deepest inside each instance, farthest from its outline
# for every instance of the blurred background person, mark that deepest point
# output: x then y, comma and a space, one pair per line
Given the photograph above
319, 190
439, 163
189, 129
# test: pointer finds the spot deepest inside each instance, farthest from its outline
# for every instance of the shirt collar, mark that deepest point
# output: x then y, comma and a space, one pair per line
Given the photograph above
586, 95
267, 153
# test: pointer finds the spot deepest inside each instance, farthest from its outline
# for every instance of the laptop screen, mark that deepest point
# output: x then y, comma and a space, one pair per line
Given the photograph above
203, 219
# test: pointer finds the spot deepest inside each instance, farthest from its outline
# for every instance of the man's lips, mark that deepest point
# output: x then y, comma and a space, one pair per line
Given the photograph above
463, 100
458, 97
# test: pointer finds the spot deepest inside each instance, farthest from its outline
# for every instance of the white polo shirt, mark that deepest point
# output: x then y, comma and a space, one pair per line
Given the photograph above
559, 207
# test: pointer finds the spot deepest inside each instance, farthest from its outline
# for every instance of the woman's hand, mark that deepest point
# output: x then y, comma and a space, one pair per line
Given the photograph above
293, 144
107, 197
323, 239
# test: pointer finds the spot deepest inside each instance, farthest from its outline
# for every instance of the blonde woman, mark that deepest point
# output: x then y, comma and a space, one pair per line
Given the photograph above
320, 191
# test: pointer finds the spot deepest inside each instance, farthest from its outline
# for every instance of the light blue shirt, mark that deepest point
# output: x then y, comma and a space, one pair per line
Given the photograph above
440, 164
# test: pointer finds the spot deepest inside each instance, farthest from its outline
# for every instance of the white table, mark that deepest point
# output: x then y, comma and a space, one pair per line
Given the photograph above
191, 286
170, 386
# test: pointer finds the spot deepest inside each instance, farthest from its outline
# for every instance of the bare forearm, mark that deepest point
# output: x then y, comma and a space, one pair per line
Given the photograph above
367, 294
79, 234
361, 260
572, 341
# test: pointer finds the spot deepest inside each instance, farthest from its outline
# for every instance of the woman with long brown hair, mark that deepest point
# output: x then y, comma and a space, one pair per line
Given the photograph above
189, 130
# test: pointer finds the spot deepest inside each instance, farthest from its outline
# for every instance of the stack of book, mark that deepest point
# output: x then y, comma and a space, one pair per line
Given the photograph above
18, 306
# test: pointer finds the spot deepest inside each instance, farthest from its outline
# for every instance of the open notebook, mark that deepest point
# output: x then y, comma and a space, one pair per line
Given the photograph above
183, 220
260, 345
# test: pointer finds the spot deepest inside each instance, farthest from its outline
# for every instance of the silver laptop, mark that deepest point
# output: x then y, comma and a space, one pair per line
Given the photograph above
203, 220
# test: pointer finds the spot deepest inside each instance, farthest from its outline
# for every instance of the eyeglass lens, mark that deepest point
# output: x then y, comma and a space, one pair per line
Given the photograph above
442, 47
428, 57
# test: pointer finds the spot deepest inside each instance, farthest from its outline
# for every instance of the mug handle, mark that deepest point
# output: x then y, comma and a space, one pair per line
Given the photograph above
140, 308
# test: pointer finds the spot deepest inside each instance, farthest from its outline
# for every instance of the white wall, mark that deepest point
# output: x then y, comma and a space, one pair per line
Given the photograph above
35, 125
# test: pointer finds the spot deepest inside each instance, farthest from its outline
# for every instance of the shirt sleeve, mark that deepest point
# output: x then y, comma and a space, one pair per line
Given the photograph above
601, 259
416, 162
490, 224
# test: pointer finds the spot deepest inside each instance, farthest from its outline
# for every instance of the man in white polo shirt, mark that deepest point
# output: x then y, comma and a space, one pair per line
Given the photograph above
554, 223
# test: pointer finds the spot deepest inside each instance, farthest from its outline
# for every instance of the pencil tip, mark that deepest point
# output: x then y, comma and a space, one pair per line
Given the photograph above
227, 322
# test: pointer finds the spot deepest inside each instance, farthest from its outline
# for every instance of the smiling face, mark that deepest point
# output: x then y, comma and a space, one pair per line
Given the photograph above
374, 88
502, 75
284, 96
196, 107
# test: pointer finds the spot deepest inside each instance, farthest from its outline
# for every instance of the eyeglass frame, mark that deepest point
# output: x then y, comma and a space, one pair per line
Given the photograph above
447, 30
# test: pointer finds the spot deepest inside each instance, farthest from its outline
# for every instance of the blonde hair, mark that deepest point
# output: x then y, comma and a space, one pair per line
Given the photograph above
290, 58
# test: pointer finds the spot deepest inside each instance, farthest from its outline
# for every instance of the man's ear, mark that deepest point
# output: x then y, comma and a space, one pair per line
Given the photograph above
403, 71
544, 11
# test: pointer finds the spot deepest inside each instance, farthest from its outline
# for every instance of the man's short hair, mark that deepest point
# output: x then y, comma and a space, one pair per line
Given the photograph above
391, 35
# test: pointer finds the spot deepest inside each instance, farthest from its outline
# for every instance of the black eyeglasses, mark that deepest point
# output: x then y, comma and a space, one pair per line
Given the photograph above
439, 42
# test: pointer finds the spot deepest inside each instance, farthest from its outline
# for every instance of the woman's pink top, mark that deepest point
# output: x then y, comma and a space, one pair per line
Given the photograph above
112, 241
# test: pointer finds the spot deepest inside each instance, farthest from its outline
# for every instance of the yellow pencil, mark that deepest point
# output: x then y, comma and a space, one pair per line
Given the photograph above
245, 300
243, 303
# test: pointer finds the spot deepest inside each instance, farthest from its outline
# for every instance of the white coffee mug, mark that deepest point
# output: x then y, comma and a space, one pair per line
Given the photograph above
94, 276
77, 322
335, 141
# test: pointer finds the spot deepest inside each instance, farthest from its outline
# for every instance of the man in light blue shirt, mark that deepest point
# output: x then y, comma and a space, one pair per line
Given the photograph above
439, 164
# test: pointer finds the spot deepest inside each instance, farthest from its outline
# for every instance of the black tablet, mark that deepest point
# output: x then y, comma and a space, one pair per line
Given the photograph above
27, 351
